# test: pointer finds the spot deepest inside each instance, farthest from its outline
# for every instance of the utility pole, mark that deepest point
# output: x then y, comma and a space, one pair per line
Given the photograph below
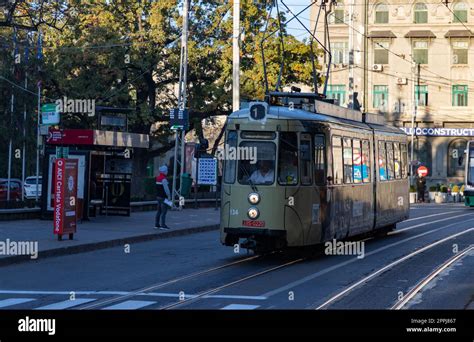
415, 111
351, 52
182, 97
236, 57
23, 160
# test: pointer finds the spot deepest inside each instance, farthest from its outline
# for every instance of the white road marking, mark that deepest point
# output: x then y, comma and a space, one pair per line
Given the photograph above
422, 217
396, 231
66, 304
14, 301
240, 307
130, 305
389, 266
350, 261
119, 293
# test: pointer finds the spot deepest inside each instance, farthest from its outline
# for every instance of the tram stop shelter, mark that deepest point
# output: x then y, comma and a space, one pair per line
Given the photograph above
105, 169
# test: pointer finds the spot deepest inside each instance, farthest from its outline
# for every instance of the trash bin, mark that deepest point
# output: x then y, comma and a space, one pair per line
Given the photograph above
186, 182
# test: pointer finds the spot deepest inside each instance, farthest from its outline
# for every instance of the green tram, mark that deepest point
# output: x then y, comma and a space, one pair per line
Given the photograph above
469, 174
319, 172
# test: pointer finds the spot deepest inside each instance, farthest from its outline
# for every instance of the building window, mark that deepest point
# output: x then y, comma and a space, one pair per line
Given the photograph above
421, 14
421, 95
420, 51
381, 14
338, 93
340, 53
460, 95
381, 97
456, 158
460, 13
338, 15
460, 52
381, 52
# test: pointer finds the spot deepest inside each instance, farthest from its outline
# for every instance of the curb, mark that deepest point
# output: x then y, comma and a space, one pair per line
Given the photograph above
93, 246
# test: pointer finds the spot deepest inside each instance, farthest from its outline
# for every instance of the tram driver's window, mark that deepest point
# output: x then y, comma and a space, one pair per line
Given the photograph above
256, 162
319, 160
305, 158
288, 159
229, 165
337, 160
348, 167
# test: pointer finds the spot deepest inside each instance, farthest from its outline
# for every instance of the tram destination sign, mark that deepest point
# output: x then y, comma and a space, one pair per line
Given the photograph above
439, 131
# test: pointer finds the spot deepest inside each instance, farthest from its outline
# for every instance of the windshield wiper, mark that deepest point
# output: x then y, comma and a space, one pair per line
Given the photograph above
252, 185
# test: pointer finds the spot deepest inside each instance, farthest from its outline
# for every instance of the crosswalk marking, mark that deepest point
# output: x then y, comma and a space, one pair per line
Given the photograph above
129, 305
14, 301
240, 307
66, 304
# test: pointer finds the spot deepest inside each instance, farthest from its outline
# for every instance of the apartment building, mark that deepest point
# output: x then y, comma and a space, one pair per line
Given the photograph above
409, 57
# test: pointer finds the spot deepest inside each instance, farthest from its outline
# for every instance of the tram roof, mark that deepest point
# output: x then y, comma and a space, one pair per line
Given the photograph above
285, 113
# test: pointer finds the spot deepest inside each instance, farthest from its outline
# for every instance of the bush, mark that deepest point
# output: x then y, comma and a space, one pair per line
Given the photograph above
455, 188
433, 188
444, 189
412, 188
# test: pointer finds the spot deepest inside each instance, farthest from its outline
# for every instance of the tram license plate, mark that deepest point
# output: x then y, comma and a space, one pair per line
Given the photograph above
250, 223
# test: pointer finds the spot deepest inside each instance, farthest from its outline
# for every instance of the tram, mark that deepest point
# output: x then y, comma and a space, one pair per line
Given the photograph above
469, 175
319, 172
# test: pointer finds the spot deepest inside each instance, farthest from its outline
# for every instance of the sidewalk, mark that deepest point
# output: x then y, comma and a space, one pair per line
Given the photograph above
104, 232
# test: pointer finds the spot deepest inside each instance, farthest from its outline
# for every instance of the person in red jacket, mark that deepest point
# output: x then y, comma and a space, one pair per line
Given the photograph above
163, 193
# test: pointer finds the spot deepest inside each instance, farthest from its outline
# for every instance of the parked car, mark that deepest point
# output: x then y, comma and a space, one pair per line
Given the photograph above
30, 187
15, 189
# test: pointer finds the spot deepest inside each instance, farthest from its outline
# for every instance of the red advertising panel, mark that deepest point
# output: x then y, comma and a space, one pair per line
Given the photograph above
70, 136
65, 196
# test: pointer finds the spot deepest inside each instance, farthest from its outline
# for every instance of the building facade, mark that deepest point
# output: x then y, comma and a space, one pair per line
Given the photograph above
410, 60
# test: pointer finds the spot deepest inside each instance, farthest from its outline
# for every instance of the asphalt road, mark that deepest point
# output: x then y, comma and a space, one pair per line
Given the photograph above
196, 272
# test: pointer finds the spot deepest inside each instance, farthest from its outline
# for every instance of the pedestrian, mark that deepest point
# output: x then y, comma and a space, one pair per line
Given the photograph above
421, 187
163, 195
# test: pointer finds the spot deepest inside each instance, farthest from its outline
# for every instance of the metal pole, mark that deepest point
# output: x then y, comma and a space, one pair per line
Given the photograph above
38, 141
236, 57
415, 109
23, 161
183, 73
351, 52
10, 148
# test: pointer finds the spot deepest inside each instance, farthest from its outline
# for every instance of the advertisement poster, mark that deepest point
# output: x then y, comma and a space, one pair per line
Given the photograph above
65, 196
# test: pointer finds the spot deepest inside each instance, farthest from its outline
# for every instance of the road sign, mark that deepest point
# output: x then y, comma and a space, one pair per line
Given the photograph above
179, 118
49, 114
422, 171
207, 171
62, 152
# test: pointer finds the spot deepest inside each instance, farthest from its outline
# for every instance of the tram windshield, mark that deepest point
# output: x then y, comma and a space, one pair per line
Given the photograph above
259, 167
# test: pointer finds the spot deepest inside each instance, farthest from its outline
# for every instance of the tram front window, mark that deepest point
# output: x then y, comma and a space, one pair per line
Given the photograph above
288, 159
470, 171
257, 163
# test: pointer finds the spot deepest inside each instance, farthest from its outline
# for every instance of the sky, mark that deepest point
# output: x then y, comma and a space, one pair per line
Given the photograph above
295, 27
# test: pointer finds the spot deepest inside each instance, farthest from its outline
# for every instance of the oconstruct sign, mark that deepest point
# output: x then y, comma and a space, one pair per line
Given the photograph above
440, 131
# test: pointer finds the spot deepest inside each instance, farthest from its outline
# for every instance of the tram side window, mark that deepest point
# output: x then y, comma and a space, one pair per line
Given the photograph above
357, 158
288, 159
390, 166
404, 161
319, 159
337, 160
397, 159
365, 161
382, 161
348, 167
305, 158
229, 168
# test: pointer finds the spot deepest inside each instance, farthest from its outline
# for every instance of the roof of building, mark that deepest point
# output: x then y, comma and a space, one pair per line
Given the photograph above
420, 34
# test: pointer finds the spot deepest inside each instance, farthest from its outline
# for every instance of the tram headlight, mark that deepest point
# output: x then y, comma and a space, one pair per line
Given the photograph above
253, 213
254, 198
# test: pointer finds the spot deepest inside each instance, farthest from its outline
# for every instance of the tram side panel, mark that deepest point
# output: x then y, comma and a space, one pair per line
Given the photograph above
392, 201
350, 194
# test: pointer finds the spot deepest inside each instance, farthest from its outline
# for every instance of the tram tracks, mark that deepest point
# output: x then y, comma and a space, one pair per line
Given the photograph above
428, 279
334, 298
